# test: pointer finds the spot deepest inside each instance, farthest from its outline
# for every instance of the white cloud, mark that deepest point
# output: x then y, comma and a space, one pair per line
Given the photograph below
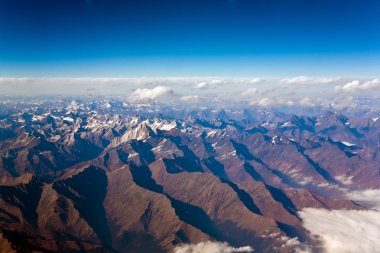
151, 94
297, 246
306, 102
210, 247
192, 99
216, 82
344, 231
209, 84
356, 85
309, 80
298, 79
275, 92
202, 85
249, 92
256, 80
268, 102
369, 198
342, 101
77, 85
351, 86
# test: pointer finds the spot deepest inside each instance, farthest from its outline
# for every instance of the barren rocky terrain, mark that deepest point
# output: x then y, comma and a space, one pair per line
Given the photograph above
110, 177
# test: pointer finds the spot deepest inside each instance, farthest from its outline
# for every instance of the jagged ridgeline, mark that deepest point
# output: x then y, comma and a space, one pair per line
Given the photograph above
94, 177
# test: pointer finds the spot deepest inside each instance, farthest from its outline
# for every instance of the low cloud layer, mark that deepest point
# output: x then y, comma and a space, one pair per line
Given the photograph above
369, 198
210, 247
344, 231
301, 91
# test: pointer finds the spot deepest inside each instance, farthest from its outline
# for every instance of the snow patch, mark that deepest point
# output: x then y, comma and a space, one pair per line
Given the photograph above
347, 180
348, 144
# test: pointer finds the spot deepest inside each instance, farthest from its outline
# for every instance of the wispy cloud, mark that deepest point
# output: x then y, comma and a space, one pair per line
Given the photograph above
210, 247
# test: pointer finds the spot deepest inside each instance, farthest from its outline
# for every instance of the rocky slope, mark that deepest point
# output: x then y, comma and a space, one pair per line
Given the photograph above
81, 177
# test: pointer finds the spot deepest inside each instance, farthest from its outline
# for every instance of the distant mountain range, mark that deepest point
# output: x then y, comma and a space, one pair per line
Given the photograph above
105, 176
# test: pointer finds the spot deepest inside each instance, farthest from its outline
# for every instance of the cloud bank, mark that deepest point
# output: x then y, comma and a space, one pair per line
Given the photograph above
344, 231
210, 247
302, 91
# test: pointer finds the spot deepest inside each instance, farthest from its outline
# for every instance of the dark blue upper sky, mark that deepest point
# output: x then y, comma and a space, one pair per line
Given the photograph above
189, 37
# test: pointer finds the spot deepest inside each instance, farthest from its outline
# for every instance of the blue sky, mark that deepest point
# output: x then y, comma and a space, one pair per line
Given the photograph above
189, 37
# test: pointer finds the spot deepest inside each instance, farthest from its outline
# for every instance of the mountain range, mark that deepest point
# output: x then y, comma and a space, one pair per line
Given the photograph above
105, 176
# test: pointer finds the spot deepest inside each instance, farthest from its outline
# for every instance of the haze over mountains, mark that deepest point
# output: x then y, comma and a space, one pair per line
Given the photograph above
108, 175
303, 91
